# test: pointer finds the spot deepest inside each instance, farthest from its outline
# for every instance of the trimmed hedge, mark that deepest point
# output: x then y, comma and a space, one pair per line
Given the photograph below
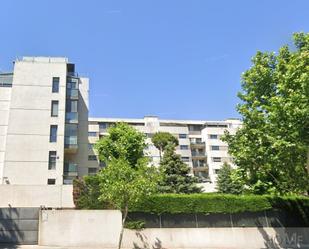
221, 203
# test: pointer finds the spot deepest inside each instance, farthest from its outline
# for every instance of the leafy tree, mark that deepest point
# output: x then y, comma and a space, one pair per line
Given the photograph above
175, 174
162, 139
228, 181
123, 186
122, 142
272, 146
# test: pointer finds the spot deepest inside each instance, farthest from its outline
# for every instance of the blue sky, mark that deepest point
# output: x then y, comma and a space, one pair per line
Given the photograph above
177, 59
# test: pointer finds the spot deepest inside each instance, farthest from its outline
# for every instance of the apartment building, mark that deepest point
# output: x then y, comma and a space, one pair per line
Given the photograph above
43, 122
199, 143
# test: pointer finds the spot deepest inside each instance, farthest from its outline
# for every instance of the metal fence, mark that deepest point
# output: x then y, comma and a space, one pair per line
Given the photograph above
245, 219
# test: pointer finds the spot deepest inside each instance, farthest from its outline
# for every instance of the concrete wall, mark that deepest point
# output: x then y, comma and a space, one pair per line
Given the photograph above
84, 228
100, 228
36, 196
256, 237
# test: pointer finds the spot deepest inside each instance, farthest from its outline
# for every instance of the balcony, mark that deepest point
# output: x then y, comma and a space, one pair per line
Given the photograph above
72, 93
198, 154
70, 169
70, 144
71, 117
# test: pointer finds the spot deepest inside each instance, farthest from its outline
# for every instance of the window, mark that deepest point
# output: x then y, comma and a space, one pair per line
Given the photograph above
215, 147
92, 134
103, 126
213, 136
185, 159
55, 88
184, 147
216, 171
71, 106
54, 108
90, 146
216, 159
52, 160
53, 133
92, 171
92, 158
51, 181
182, 135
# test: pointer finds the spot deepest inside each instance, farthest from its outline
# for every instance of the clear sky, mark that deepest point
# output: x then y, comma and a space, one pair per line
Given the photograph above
177, 59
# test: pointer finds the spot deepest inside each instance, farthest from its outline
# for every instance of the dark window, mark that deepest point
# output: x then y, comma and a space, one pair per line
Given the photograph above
92, 134
71, 106
92, 158
213, 136
103, 126
51, 181
55, 88
216, 171
54, 108
182, 135
92, 171
184, 147
215, 147
53, 133
52, 160
185, 159
216, 159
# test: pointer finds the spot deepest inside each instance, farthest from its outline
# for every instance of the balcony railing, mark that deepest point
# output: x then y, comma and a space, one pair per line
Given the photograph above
72, 93
197, 154
71, 117
197, 142
70, 141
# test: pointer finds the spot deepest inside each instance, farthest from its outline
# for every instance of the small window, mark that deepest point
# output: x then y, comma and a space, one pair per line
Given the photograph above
51, 181
185, 159
90, 146
184, 147
92, 134
103, 126
216, 159
215, 147
92, 158
213, 136
92, 171
53, 133
216, 171
182, 135
55, 88
54, 108
52, 160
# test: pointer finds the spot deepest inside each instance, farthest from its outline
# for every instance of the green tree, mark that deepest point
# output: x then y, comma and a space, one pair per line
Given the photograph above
175, 174
228, 181
123, 186
122, 142
162, 139
272, 146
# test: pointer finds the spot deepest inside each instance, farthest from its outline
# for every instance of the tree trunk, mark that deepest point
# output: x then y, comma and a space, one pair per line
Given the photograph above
160, 153
125, 214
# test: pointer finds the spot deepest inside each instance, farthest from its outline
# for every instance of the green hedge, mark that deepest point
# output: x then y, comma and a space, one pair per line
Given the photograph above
221, 203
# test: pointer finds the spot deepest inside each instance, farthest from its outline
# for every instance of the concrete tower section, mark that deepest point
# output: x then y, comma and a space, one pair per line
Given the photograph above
43, 122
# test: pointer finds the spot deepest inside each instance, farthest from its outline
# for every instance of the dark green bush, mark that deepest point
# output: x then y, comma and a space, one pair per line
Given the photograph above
138, 224
220, 203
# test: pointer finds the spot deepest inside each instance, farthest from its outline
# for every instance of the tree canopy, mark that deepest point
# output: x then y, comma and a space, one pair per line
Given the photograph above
273, 144
176, 176
122, 142
161, 139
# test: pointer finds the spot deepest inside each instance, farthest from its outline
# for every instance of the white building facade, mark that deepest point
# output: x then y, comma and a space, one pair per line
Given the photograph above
200, 145
43, 122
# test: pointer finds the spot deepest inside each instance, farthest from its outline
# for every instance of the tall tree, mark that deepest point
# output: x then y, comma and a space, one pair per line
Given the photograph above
227, 181
123, 186
122, 142
162, 139
176, 176
273, 144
